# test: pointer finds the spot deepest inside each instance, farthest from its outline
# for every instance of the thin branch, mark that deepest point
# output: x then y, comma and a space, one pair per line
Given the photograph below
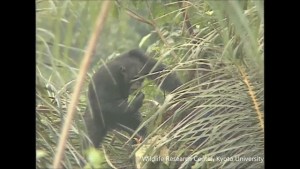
160, 33
187, 22
80, 79
152, 23
138, 17
253, 97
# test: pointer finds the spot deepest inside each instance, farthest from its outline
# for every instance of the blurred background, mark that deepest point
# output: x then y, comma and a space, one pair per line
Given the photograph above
215, 46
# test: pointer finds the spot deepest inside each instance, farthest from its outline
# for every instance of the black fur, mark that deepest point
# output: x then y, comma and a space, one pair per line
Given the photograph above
110, 87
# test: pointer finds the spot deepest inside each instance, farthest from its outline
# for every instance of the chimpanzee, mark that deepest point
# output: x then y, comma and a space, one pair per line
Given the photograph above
110, 87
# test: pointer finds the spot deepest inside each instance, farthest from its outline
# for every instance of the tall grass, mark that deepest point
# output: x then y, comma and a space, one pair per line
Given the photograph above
217, 115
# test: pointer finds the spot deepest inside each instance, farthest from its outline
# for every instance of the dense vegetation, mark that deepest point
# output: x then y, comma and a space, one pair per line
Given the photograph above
216, 47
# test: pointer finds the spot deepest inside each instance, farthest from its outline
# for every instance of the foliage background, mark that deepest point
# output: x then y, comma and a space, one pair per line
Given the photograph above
220, 61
